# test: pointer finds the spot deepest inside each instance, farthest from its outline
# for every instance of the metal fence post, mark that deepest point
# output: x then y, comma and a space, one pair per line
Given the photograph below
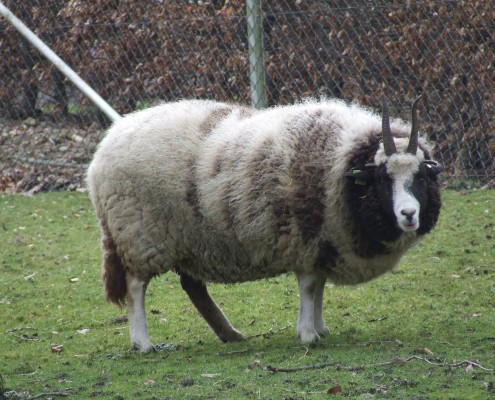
61, 65
256, 50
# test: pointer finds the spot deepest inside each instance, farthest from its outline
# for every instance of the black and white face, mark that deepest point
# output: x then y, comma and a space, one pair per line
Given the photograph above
402, 184
405, 178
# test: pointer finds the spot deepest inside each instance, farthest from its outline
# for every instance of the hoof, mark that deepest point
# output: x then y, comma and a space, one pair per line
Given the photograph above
144, 348
232, 336
323, 330
309, 337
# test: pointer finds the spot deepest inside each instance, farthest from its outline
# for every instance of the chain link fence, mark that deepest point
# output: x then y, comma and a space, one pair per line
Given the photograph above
139, 53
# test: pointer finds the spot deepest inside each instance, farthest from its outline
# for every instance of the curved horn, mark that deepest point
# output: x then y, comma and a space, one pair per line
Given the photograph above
388, 141
412, 147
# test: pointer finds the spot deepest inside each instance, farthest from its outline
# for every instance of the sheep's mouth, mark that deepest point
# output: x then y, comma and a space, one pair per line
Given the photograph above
409, 226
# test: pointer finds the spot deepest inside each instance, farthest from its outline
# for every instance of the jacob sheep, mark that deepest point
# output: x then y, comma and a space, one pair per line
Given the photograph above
223, 193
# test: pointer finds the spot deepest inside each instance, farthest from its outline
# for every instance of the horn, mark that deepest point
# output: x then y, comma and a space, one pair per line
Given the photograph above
412, 147
388, 141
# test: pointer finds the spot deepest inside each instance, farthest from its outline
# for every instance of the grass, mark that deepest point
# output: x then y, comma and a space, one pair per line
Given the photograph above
425, 331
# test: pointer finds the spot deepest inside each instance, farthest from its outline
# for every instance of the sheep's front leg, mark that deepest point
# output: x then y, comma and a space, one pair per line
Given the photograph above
213, 315
311, 324
136, 290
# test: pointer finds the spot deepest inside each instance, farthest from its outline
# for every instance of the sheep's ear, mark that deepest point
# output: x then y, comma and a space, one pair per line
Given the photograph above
432, 167
361, 176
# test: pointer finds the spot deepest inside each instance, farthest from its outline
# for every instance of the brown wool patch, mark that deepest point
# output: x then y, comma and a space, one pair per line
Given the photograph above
307, 170
246, 112
218, 162
365, 151
227, 159
327, 256
192, 196
213, 119
229, 209
263, 177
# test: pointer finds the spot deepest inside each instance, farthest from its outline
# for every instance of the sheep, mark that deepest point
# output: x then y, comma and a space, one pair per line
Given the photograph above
224, 193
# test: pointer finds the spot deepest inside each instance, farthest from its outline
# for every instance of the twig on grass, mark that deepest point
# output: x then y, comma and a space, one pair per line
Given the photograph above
269, 333
394, 361
471, 363
30, 373
22, 328
425, 360
46, 394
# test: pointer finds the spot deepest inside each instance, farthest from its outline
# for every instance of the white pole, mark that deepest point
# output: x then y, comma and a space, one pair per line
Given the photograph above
57, 61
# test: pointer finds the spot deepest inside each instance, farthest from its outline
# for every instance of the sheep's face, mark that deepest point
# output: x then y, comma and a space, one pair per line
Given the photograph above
403, 183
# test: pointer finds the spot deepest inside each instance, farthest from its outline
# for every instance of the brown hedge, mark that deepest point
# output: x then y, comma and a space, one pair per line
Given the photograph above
138, 52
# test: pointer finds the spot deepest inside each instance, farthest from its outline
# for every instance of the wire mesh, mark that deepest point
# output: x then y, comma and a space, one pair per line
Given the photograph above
139, 53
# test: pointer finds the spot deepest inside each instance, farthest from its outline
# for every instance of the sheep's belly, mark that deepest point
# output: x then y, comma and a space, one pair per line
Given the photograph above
352, 269
233, 273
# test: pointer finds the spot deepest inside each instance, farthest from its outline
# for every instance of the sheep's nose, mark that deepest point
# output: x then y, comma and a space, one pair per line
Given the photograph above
408, 213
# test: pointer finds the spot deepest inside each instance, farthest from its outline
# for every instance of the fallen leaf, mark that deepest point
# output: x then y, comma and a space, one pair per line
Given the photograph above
57, 348
335, 390
84, 331
149, 382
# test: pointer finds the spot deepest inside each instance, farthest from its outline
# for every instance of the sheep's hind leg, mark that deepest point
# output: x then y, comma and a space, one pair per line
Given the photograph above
198, 293
138, 329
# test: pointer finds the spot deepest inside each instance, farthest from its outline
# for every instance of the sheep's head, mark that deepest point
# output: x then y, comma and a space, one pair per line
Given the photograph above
400, 178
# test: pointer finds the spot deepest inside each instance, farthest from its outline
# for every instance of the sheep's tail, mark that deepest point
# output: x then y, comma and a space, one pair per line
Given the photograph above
113, 271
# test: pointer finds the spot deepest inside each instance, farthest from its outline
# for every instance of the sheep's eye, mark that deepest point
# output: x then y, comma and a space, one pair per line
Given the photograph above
383, 180
421, 177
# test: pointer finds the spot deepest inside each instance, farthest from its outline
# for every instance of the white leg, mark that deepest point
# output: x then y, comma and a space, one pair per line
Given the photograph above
320, 326
138, 329
306, 324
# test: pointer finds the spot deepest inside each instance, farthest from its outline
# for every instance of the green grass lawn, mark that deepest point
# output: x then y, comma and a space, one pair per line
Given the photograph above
425, 331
